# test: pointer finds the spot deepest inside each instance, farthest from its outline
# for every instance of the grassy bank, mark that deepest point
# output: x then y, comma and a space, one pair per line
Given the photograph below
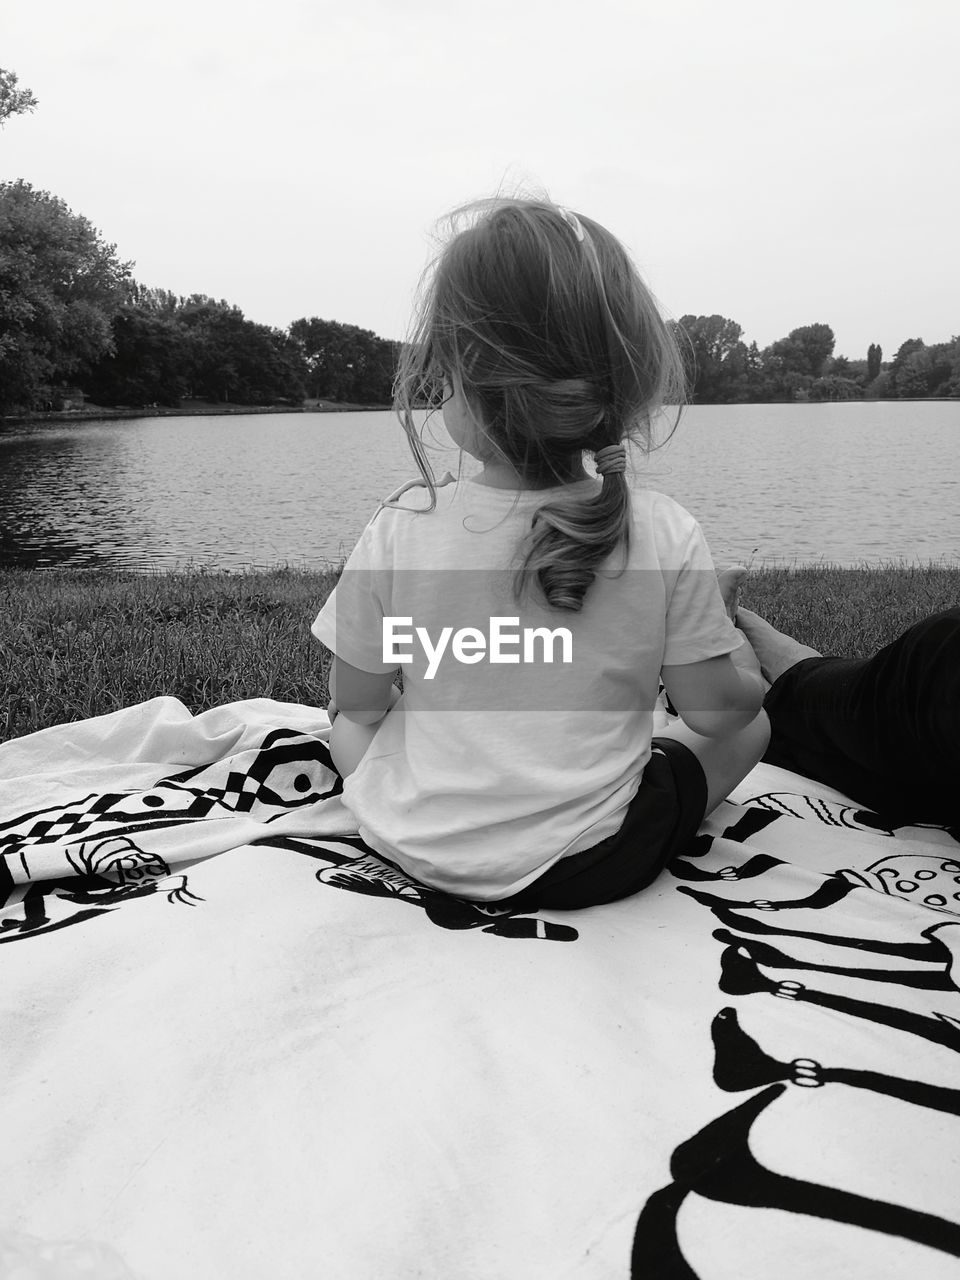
74, 645
79, 644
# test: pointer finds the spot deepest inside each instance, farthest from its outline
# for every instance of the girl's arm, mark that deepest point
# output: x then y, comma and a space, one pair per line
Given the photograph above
362, 699
718, 696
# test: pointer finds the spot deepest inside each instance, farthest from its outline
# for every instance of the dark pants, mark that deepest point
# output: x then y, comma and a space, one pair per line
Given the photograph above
884, 730
661, 820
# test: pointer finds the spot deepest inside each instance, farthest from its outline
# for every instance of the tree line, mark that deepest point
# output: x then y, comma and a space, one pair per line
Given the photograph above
723, 369
72, 315
166, 349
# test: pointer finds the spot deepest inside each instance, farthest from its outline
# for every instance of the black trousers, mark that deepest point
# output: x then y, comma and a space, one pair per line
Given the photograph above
884, 730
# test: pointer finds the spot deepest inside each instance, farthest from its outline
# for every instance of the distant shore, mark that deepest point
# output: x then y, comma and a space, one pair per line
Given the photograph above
188, 409
204, 409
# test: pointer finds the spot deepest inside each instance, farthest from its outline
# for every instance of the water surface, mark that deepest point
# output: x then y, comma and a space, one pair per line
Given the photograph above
847, 484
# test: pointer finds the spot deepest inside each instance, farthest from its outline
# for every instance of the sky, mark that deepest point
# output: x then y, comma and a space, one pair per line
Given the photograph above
777, 163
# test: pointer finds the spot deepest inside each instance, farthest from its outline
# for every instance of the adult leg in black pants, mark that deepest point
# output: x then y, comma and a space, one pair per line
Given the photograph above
884, 730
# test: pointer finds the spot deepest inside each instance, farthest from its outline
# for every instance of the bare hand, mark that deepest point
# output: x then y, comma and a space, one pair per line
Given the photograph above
730, 582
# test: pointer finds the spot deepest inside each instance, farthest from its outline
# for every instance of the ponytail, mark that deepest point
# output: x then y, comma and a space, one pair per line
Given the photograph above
571, 537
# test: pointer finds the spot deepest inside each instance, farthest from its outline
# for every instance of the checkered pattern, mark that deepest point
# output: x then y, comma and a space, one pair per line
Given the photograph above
54, 825
292, 765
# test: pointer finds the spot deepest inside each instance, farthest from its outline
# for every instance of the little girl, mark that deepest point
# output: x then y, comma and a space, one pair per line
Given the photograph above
534, 608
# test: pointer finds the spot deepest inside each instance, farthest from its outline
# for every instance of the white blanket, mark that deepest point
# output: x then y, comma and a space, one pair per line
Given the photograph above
235, 1046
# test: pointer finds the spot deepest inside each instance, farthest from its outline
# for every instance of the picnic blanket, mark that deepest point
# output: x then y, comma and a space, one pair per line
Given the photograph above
236, 1044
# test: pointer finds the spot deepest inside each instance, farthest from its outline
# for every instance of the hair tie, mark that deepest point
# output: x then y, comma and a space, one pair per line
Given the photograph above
610, 460
572, 221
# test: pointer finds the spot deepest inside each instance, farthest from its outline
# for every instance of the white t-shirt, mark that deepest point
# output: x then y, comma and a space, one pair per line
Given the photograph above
497, 761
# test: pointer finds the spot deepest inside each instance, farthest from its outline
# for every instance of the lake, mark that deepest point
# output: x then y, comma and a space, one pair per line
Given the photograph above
854, 483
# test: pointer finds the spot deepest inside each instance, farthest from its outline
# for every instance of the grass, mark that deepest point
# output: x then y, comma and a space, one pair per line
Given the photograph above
79, 644
851, 612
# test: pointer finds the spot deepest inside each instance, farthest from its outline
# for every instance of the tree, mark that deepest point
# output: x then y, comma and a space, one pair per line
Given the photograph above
344, 362
167, 348
271, 366
148, 364
817, 342
905, 350
716, 358
160, 301
880, 388
857, 370
927, 371
13, 101
60, 286
805, 350
952, 386
874, 360
230, 358
792, 364
835, 387
899, 379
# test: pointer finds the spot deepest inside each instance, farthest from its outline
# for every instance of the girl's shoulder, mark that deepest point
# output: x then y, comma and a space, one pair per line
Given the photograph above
664, 530
661, 510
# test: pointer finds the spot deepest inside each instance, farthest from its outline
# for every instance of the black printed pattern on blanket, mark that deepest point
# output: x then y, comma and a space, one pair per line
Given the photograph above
71, 863
902, 984
352, 865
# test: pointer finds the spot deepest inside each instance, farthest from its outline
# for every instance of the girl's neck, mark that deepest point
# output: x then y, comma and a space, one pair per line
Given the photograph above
500, 475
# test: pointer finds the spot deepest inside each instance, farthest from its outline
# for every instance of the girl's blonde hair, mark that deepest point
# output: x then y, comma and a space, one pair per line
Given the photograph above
559, 348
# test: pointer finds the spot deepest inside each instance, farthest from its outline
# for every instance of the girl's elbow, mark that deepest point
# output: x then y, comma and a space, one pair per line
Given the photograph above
754, 695
361, 715
367, 713
750, 707
757, 724
730, 720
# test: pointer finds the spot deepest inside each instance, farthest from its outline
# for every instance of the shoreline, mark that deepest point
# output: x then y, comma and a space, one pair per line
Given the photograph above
188, 571
194, 409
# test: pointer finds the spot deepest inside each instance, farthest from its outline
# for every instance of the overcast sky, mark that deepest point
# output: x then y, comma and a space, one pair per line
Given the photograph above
781, 164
